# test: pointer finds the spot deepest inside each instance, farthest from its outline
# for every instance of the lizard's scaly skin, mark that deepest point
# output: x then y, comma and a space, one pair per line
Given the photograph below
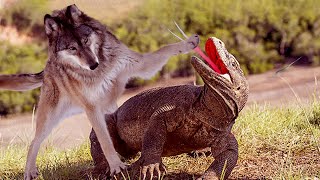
173, 120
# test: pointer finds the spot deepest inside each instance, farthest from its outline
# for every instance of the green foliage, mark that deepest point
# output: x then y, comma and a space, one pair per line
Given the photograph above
25, 15
259, 33
19, 59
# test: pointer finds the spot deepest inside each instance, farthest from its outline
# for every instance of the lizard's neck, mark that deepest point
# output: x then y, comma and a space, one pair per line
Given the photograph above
215, 108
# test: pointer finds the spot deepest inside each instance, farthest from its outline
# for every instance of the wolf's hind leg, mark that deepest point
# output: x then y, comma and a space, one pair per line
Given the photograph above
97, 120
49, 113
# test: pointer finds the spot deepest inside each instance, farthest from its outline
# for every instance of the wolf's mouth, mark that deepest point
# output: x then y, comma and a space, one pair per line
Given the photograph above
214, 59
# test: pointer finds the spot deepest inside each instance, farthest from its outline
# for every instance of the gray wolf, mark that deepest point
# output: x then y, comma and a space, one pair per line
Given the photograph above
86, 71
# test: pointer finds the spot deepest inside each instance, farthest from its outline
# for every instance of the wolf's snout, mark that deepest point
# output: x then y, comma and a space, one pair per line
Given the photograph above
93, 67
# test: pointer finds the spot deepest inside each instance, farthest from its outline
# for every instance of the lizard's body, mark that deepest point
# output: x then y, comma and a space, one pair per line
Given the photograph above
174, 120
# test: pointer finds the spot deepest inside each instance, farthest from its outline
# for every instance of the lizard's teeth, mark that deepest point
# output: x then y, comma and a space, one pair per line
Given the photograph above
227, 76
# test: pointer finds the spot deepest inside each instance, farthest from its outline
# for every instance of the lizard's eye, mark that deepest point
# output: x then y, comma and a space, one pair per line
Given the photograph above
233, 64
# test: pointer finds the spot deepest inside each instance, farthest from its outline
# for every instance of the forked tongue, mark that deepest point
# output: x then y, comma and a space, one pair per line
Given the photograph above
214, 59
214, 56
206, 58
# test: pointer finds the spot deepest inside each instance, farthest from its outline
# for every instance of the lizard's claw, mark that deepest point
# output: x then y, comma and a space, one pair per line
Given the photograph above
150, 168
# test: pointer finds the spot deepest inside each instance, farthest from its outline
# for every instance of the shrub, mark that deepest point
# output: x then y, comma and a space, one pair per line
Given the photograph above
26, 16
259, 33
19, 59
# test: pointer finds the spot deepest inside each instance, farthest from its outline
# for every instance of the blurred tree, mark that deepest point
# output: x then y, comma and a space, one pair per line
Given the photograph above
259, 33
19, 59
26, 16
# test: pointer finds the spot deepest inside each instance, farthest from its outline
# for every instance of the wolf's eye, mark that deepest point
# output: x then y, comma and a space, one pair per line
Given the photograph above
72, 48
85, 40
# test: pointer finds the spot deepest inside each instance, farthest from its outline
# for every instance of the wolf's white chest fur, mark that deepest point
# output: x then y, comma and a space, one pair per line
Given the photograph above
105, 92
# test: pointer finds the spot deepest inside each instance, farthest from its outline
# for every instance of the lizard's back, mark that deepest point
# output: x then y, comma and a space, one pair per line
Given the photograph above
133, 117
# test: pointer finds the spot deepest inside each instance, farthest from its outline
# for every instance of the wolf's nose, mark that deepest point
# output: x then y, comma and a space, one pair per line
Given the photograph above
92, 67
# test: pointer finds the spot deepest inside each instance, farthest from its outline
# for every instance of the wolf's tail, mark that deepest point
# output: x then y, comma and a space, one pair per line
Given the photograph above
21, 82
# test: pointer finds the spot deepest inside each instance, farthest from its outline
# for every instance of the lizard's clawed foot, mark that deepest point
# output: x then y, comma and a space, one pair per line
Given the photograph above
151, 168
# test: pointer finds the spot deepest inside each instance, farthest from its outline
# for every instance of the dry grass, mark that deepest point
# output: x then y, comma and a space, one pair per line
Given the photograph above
274, 143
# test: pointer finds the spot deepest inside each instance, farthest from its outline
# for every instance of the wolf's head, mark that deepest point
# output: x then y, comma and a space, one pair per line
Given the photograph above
75, 39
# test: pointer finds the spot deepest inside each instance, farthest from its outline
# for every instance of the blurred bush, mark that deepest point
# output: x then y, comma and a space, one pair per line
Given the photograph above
26, 16
261, 34
20, 59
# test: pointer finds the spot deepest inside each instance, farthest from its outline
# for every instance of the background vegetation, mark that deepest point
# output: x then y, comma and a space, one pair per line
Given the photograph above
261, 34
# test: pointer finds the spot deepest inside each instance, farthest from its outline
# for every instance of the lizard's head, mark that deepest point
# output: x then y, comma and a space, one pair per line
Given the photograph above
223, 75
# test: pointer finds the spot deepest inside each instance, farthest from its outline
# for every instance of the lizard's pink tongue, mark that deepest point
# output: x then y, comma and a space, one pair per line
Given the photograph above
214, 59
213, 54
209, 61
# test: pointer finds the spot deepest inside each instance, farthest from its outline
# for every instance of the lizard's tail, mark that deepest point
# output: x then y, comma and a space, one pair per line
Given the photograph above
21, 82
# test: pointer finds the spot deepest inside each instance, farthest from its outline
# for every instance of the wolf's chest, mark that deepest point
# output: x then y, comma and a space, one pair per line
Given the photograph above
96, 92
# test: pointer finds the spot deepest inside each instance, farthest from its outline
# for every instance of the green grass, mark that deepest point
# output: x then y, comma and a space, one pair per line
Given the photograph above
274, 143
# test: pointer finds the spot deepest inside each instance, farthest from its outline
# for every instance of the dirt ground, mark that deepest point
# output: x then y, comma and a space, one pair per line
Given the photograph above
297, 84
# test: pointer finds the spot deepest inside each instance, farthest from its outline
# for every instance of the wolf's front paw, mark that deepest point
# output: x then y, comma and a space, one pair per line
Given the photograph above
189, 44
193, 41
117, 168
31, 174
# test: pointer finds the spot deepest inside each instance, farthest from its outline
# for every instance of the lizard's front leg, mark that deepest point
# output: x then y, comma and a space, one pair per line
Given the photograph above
225, 160
153, 142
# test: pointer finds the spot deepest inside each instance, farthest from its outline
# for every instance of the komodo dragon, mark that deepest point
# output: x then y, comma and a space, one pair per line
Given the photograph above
174, 120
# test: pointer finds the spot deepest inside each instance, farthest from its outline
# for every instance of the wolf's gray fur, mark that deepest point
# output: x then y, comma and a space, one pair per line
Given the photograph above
87, 70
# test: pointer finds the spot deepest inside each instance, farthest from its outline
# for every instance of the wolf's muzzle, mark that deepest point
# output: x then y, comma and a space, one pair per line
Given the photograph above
93, 67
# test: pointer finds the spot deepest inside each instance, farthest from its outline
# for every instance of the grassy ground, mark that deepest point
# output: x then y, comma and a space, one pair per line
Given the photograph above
274, 143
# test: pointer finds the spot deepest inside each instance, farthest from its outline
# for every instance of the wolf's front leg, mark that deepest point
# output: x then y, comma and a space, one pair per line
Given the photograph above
151, 63
96, 118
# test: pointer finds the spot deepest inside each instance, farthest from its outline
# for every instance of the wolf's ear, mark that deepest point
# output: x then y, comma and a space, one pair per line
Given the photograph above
73, 12
50, 24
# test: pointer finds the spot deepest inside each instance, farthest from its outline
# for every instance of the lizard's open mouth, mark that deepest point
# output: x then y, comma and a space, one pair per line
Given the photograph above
214, 59
213, 48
